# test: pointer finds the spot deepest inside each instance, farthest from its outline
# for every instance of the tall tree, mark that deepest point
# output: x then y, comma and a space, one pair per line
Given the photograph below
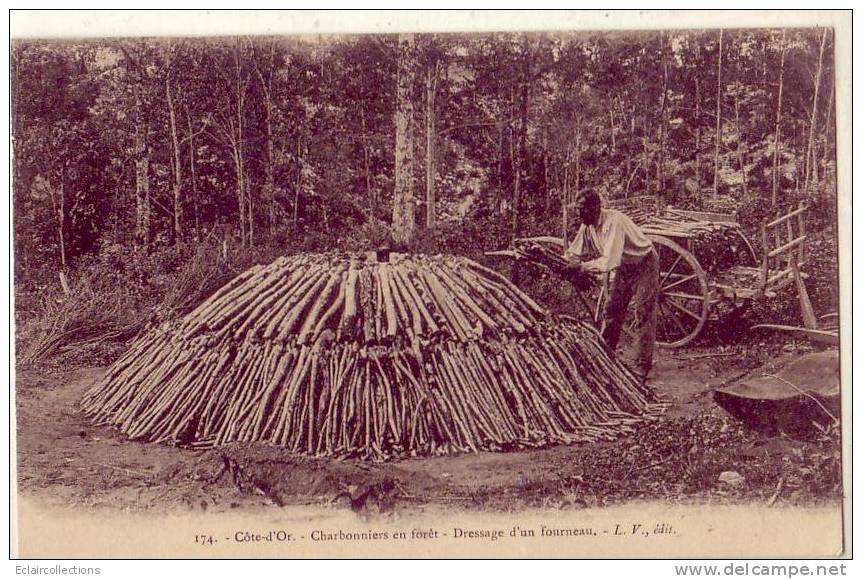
403, 220
740, 156
249, 134
520, 158
143, 211
662, 115
809, 150
431, 74
176, 163
697, 127
776, 151
715, 177
190, 135
230, 128
264, 66
61, 174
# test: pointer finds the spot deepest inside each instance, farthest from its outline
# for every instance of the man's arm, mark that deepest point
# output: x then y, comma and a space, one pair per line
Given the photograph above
575, 272
576, 248
612, 254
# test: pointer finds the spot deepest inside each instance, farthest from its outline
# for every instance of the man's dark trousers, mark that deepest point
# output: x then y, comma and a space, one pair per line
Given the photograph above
639, 280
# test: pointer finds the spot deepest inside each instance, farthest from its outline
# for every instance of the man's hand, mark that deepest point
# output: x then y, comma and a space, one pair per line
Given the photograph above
573, 269
591, 268
576, 273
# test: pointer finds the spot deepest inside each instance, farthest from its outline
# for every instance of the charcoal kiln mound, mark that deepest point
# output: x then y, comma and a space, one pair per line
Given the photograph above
348, 356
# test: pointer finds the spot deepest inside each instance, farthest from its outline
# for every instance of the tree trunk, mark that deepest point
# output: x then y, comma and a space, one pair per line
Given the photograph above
238, 189
245, 215
564, 199
545, 170
521, 157
298, 184
697, 119
501, 161
193, 169
61, 222
577, 160
269, 168
430, 147
739, 154
645, 163
799, 142
142, 173
61, 232
776, 155
58, 209
60, 206
249, 205
818, 163
715, 177
809, 155
269, 174
512, 162
175, 161
567, 195
697, 132
827, 131
661, 127
403, 221
366, 160
249, 199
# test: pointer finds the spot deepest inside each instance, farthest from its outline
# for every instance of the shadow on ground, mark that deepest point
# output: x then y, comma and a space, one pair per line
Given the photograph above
694, 453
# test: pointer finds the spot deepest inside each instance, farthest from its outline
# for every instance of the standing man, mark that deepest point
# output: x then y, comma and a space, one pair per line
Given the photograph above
609, 241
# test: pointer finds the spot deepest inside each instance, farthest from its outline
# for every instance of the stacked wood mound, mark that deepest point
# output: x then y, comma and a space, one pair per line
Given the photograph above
345, 356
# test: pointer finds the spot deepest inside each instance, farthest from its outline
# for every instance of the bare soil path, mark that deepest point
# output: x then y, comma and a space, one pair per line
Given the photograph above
65, 460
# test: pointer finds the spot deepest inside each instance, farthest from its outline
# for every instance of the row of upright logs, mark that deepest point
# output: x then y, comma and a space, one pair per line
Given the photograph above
342, 356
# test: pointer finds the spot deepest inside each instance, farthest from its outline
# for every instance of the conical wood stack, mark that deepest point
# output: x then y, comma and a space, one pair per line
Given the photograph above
344, 356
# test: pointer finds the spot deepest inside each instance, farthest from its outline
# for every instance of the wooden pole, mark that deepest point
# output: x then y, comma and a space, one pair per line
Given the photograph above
776, 154
809, 155
430, 146
715, 178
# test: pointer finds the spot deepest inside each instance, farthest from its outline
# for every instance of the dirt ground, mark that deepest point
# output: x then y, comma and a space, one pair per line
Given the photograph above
684, 457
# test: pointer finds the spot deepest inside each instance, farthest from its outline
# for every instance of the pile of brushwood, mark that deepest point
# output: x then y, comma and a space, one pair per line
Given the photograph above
347, 356
716, 245
115, 296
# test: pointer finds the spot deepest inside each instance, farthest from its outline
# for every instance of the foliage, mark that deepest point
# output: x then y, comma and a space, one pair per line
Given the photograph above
286, 144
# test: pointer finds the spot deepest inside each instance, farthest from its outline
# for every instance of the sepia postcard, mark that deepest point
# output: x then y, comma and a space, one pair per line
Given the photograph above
425, 284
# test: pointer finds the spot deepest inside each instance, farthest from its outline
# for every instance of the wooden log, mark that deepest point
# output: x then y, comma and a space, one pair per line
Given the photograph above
329, 356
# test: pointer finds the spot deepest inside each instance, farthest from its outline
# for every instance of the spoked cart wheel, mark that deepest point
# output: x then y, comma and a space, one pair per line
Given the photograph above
683, 296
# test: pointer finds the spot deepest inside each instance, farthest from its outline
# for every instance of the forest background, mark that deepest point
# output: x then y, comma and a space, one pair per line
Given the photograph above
147, 172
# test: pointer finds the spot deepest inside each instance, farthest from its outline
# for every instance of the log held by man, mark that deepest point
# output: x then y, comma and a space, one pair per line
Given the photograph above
609, 241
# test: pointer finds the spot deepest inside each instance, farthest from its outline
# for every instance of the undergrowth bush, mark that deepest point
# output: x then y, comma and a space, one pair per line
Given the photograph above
119, 292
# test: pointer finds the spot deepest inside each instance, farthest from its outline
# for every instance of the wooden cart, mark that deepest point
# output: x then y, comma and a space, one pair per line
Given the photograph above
708, 266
